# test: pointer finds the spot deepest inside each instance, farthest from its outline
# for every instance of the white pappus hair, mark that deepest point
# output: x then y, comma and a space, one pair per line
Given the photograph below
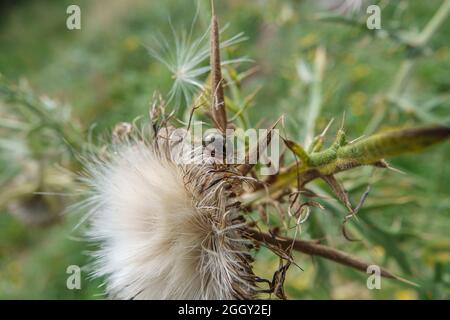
165, 230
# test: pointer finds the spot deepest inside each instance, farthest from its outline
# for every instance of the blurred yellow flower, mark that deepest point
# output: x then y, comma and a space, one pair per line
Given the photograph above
443, 53
301, 280
360, 72
308, 40
131, 43
349, 59
378, 251
432, 258
405, 294
443, 257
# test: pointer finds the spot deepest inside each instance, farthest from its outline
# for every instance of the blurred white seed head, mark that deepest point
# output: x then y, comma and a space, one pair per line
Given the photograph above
165, 230
186, 58
342, 7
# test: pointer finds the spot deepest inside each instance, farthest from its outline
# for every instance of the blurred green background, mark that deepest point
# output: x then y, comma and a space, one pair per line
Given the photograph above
105, 73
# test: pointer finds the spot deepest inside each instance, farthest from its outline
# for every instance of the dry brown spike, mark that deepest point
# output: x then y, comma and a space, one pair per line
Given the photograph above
218, 98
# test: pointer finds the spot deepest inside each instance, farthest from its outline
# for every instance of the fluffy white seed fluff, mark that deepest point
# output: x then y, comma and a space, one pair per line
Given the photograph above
165, 230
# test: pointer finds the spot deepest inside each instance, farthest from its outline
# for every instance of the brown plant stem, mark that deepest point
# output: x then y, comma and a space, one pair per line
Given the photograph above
313, 248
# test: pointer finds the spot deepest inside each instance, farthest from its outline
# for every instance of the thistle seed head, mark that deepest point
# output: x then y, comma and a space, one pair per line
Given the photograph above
166, 230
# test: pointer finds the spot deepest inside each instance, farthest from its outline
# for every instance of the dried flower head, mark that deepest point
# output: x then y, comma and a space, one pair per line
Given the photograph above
167, 230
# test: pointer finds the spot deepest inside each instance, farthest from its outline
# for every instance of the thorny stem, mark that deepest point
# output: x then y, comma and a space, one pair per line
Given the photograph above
341, 156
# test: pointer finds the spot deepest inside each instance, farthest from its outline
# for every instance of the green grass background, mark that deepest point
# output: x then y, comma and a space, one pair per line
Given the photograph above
105, 73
